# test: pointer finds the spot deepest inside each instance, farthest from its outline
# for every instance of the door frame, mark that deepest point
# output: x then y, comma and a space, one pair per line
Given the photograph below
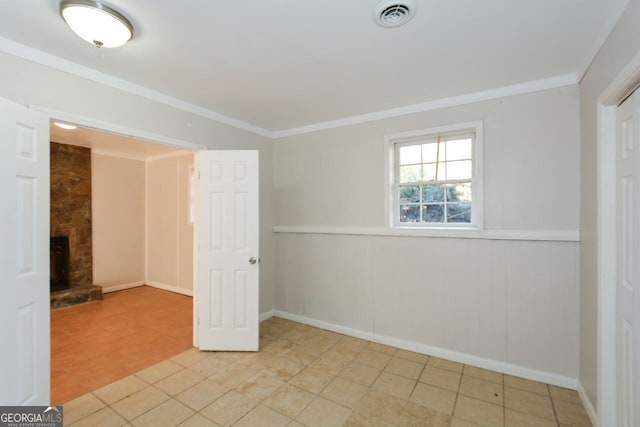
91, 123
617, 90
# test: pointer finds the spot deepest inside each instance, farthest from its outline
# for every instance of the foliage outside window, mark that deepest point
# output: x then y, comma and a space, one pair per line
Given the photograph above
434, 180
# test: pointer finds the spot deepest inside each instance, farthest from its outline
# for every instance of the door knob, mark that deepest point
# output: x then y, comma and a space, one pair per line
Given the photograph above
252, 260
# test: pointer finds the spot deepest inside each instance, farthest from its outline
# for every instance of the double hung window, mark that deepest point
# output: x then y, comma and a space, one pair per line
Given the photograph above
436, 179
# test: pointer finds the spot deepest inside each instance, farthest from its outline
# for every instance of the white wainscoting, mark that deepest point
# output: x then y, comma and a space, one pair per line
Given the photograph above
506, 305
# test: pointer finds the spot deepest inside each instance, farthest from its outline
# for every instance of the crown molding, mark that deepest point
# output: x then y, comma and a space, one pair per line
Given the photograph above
501, 92
52, 61
55, 62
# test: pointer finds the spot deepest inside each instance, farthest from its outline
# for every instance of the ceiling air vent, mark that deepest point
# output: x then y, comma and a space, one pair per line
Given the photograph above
394, 13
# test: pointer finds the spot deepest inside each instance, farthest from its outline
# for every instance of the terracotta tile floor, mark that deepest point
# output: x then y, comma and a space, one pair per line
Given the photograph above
304, 376
96, 343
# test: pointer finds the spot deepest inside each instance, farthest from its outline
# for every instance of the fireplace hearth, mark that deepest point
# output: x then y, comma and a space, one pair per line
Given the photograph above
62, 293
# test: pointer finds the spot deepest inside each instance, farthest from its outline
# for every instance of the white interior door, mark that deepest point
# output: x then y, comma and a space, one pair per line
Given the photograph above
628, 261
228, 259
24, 256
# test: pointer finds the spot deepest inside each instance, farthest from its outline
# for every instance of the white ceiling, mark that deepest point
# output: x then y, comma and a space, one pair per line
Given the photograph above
282, 64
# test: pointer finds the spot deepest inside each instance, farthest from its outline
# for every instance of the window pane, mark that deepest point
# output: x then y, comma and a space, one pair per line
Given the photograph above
409, 213
410, 173
459, 170
433, 213
432, 193
459, 212
440, 167
409, 194
429, 172
458, 149
459, 192
430, 152
410, 155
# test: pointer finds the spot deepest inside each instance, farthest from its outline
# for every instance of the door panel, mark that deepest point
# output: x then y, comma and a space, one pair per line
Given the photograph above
24, 256
628, 261
228, 290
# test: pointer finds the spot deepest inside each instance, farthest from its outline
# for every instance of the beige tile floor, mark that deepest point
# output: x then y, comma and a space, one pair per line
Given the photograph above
304, 376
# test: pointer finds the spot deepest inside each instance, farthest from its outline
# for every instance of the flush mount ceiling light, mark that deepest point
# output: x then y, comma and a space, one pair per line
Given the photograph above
394, 13
96, 22
66, 126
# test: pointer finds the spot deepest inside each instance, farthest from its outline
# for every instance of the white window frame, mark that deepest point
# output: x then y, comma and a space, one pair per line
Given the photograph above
392, 207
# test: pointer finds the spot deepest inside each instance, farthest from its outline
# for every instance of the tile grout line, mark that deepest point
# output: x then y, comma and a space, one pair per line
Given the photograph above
241, 361
418, 379
455, 403
129, 421
504, 403
148, 385
553, 405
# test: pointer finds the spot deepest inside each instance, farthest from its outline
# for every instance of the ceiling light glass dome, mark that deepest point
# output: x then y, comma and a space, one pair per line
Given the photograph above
96, 22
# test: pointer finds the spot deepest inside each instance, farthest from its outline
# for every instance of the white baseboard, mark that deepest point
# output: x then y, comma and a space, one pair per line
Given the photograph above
113, 288
170, 288
267, 315
593, 416
467, 359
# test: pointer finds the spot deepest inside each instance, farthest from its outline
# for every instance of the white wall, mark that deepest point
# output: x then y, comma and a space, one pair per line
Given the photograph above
508, 305
620, 47
334, 178
28, 83
120, 189
118, 208
169, 232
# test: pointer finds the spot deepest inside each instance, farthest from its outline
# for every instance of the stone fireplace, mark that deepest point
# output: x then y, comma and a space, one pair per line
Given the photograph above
71, 226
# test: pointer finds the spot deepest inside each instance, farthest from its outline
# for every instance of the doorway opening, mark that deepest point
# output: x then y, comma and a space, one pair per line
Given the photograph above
137, 250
